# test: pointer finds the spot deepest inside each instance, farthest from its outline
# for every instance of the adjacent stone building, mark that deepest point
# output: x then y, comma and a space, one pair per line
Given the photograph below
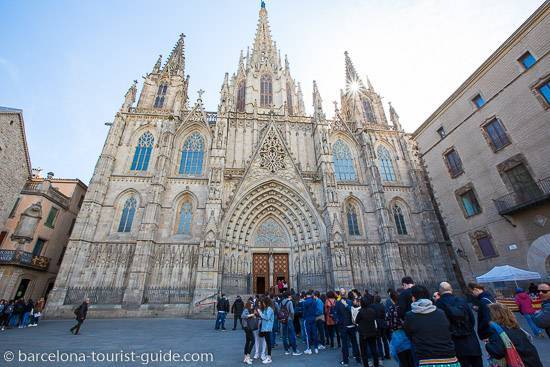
36, 234
184, 203
487, 152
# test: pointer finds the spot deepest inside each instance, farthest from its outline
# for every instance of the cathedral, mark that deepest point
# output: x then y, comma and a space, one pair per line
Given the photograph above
185, 203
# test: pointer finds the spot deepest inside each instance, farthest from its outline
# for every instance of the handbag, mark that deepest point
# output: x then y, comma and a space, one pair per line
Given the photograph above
511, 356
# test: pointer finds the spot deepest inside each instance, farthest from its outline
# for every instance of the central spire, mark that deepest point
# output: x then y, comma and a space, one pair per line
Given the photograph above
264, 49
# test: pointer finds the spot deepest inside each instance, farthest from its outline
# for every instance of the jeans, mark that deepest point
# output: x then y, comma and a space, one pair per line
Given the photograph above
348, 336
273, 336
220, 320
289, 336
382, 341
235, 320
366, 345
321, 330
249, 343
266, 342
331, 330
256, 334
535, 328
76, 328
312, 334
304, 333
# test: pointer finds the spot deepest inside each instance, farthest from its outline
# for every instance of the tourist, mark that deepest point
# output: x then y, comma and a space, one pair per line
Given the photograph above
286, 319
542, 318
256, 333
280, 286
303, 328
330, 314
80, 313
429, 330
249, 323
400, 345
27, 312
483, 316
223, 308
525, 304
275, 301
368, 331
37, 312
310, 311
462, 321
6, 315
237, 310
347, 328
320, 318
507, 341
404, 300
285, 286
267, 316
17, 314
382, 341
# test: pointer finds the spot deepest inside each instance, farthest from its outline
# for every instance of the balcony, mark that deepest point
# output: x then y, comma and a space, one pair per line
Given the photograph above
25, 259
527, 197
46, 189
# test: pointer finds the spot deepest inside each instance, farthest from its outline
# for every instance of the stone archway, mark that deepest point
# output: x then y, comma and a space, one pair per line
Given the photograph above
538, 256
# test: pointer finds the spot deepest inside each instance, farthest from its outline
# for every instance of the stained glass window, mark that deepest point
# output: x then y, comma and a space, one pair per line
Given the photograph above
368, 113
270, 234
353, 223
143, 152
161, 93
127, 216
343, 162
192, 155
386, 164
266, 91
241, 96
185, 218
399, 219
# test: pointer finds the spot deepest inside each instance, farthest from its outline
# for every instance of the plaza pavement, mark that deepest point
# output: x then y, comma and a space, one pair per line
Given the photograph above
151, 336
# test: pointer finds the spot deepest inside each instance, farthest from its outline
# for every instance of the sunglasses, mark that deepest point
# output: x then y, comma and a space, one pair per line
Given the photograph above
543, 291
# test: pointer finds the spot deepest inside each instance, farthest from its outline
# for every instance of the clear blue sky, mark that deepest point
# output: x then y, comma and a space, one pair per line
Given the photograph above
67, 64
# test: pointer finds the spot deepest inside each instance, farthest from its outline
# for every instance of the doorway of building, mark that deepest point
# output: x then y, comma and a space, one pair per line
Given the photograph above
261, 272
22, 288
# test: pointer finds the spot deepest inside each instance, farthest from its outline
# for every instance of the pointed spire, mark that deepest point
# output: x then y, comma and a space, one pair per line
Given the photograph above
176, 60
369, 84
301, 106
263, 47
287, 65
156, 68
394, 117
129, 97
317, 103
353, 81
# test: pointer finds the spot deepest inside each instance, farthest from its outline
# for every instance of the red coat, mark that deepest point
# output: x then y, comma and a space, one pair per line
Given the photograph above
525, 304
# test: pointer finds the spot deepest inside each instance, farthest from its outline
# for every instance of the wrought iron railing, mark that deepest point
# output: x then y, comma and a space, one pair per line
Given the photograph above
97, 295
524, 197
23, 258
162, 295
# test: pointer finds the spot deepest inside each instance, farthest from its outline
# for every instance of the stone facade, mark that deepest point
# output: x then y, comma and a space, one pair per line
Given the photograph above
504, 150
14, 155
235, 199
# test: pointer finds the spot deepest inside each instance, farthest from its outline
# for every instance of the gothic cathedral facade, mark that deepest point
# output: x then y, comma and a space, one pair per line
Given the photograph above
184, 203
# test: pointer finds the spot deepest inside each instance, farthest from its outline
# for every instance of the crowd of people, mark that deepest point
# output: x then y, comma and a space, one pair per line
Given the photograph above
412, 326
20, 313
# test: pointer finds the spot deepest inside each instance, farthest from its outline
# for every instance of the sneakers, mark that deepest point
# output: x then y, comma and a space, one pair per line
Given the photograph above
247, 360
297, 353
267, 360
316, 351
344, 363
322, 347
307, 351
256, 356
287, 352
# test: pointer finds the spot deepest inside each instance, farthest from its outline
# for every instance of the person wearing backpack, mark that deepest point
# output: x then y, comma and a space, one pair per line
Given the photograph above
330, 317
483, 317
462, 320
286, 319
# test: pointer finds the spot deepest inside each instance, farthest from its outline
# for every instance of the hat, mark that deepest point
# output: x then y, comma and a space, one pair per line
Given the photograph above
519, 290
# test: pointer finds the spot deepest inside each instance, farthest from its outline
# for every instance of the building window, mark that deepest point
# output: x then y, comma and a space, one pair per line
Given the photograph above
38, 247
496, 134
470, 203
368, 114
289, 100
52, 215
386, 164
185, 218
454, 164
192, 155
399, 219
486, 246
544, 91
3, 235
527, 60
143, 152
343, 162
127, 217
522, 182
71, 227
478, 101
161, 93
266, 91
241, 96
441, 132
14, 208
353, 223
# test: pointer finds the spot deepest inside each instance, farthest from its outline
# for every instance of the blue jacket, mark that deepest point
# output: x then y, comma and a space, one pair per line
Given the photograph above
310, 307
319, 307
268, 317
542, 318
343, 311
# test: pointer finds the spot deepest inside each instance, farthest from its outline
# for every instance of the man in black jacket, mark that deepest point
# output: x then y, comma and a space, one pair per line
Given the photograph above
483, 316
223, 309
80, 314
367, 325
405, 298
462, 322
347, 327
237, 310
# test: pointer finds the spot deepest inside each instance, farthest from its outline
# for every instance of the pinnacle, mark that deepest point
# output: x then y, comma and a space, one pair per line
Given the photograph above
176, 60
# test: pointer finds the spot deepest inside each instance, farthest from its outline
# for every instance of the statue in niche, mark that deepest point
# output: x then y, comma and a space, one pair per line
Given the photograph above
325, 142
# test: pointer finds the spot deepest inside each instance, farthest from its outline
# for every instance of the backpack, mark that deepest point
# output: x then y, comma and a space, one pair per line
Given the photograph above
459, 319
283, 314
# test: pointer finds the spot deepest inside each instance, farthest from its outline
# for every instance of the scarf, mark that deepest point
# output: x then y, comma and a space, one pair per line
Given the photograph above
511, 354
423, 306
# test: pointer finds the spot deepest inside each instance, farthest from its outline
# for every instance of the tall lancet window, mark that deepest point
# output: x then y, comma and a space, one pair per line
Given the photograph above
368, 113
185, 218
386, 164
127, 217
266, 91
192, 155
353, 223
241, 96
399, 219
343, 162
143, 152
289, 99
161, 93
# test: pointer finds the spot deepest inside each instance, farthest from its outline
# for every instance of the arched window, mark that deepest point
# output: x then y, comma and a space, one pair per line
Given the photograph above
399, 219
353, 223
192, 155
127, 217
266, 91
289, 100
241, 95
185, 218
368, 114
386, 164
143, 152
343, 162
161, 93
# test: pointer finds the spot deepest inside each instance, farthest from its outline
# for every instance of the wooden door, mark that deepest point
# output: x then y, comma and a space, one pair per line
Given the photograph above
260, 272
280, 268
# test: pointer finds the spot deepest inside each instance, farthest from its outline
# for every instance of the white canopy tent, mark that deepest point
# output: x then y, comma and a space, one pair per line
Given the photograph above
507, 273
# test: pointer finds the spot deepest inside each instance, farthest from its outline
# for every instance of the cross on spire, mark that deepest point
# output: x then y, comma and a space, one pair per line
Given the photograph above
200, 92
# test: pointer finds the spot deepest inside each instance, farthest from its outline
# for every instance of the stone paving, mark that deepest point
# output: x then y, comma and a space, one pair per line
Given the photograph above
151, 336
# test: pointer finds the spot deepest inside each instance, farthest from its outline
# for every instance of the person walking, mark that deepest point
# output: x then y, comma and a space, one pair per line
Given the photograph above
542, 318
525, 304
507, 343
429, 330
80, 312
310, 312
286, 319
483, 317
367, 325
462, 321
267, 316
249, 322
223, 308
330, 314
237, 309
347, 327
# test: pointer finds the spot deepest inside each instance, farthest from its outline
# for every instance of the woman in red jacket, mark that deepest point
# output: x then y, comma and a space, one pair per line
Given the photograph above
525, 305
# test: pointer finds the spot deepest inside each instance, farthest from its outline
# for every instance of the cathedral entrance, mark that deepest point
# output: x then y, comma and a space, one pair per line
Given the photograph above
267, 270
